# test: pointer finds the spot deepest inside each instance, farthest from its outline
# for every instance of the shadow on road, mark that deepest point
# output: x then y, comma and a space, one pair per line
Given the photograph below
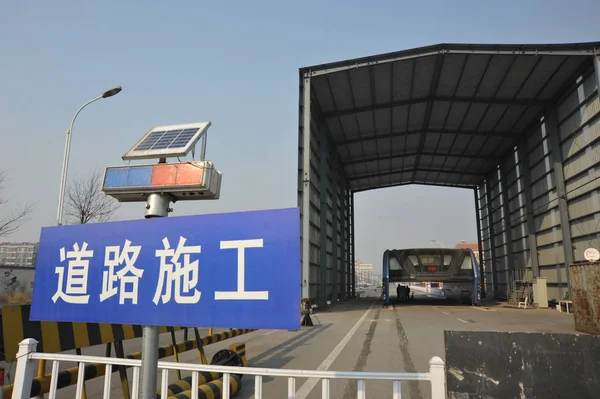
423, 299
279, 355
353, 304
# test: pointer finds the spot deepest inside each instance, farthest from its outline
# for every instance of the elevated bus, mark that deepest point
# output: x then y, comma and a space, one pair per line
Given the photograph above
456, 269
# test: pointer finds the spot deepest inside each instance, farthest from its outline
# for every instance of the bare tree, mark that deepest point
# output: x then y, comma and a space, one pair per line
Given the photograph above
11, 221
87, 203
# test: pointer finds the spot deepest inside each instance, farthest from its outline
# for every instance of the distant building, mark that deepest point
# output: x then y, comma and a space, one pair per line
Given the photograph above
18, 254
363, 272
469, 245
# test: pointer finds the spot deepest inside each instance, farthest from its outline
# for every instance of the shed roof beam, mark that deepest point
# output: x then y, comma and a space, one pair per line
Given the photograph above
360, 190
432, 98
586, 49
411, 170
358, 161
439, 62
401, 133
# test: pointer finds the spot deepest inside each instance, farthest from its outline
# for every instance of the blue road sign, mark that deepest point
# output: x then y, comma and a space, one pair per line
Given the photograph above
231, 270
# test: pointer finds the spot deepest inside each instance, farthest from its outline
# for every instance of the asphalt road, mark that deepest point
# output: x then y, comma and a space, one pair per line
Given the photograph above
360, 335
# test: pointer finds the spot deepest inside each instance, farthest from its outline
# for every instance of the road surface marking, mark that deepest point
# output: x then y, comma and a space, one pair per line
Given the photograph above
446, 313
270, 332
309, 384
464, 321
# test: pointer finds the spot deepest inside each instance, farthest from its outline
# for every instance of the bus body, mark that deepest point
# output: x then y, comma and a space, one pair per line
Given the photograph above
456, 269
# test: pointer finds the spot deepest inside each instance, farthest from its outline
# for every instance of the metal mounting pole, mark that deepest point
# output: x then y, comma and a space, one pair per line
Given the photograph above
157, 205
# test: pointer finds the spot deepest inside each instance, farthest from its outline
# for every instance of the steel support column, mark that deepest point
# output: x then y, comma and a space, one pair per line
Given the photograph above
526, 178
353, 277
479, 242
334, 236
324, 179
343, 265
492, 237
348, 261
306, 187
551, 123
510, 255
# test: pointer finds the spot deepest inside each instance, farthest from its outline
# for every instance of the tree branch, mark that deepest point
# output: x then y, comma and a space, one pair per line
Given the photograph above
87, 203
11, 222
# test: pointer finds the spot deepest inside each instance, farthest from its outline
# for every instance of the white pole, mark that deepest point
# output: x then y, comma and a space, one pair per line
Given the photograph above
25, 369
437, 370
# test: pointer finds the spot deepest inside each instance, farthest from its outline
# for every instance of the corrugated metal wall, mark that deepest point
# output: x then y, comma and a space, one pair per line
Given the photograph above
330, 226
551, 180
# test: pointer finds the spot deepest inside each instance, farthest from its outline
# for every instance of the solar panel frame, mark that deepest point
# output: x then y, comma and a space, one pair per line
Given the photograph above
167, 141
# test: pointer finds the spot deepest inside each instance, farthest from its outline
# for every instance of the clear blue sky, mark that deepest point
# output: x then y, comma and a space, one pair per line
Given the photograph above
235, 64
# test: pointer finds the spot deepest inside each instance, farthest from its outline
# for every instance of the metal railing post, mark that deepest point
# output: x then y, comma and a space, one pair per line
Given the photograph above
25, 369
437, 370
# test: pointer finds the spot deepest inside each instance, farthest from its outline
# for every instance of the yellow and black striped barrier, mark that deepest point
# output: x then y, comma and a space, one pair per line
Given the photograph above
68, 377
170, 350
210, 384
54, 337
240, 349
185, 384
212, 390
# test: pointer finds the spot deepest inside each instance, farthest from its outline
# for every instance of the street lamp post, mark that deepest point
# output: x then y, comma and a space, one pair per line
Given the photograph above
65, 165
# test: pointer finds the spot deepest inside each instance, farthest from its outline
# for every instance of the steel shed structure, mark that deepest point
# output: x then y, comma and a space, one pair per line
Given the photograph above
517, 124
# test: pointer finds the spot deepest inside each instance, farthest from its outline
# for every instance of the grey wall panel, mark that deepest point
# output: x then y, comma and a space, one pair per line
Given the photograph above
544, 202
542, 185
584, 183
328, 239
549, 237
517, 232
551, 255
580, 131
585, 227
582, 161
514, 189
537, 153
582, 206
547, 220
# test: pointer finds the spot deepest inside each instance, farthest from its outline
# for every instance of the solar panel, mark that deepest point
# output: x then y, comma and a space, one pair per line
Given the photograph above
167, 141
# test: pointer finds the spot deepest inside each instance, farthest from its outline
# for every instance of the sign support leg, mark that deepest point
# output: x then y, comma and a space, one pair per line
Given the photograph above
156, 206
149, 362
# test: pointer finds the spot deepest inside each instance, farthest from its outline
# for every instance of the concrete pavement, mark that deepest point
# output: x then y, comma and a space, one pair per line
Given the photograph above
360, 335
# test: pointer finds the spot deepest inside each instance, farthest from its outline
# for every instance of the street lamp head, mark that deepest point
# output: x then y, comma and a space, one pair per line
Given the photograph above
112, 92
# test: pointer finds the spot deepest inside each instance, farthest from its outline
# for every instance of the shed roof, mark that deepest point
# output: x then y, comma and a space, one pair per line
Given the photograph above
440, 115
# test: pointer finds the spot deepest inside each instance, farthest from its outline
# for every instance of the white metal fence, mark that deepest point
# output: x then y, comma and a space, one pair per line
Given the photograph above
27, 363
